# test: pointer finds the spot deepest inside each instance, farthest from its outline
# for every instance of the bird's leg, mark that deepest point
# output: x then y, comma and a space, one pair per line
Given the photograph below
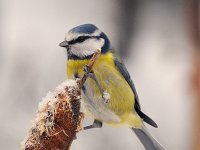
96, 124
92, 76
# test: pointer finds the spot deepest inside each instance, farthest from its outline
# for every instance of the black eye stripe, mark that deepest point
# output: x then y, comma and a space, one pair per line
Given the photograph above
81, 39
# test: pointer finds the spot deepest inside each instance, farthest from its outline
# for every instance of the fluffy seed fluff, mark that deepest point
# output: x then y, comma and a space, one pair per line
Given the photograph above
44, 121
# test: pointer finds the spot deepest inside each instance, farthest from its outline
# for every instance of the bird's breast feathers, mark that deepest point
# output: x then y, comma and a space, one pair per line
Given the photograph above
121, 101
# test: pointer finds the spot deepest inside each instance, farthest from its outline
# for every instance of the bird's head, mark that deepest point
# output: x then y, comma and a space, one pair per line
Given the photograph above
82, 41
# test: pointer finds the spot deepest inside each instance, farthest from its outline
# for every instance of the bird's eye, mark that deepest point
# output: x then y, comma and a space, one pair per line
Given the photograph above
82, 38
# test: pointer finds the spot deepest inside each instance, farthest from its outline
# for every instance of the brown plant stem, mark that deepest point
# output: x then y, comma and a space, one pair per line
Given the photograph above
90, 65
58, 117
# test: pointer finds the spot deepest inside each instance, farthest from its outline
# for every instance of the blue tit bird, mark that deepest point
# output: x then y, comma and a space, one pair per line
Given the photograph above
109, 95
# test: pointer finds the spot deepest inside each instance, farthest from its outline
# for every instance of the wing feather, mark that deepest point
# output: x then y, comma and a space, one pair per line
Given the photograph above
121, 67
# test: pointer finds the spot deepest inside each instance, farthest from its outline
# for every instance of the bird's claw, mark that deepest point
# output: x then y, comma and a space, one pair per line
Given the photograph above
106, 97
104, 94
86, 69
96, 124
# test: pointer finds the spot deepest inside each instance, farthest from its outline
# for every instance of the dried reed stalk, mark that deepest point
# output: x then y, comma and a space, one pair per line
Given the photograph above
58, 117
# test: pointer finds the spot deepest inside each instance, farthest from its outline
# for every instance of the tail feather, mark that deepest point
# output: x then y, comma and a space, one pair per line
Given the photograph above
146, 118
147, 140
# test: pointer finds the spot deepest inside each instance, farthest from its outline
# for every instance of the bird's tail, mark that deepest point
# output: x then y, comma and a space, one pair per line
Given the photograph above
146, 139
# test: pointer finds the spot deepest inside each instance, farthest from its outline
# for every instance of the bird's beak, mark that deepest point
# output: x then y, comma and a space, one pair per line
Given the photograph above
64, 44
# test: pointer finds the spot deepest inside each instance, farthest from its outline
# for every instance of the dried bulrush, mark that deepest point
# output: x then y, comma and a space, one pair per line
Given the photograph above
58, 117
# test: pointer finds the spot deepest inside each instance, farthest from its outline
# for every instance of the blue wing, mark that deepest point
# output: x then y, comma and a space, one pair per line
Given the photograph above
127, 77
122, 69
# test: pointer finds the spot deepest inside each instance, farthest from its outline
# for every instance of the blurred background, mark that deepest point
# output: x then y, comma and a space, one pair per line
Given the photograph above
158, 40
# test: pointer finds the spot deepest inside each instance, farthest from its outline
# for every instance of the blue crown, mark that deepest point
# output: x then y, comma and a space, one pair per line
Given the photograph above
85, 28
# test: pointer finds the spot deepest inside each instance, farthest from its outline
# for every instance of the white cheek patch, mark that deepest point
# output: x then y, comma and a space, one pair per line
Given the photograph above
87, 48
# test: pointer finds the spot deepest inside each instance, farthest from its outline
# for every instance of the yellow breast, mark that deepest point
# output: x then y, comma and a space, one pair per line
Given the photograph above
76, 66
